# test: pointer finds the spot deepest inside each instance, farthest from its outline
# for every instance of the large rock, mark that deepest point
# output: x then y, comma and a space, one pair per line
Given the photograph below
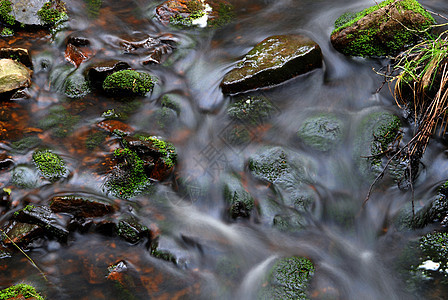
13, 75
381, 30
272, 61
38, 12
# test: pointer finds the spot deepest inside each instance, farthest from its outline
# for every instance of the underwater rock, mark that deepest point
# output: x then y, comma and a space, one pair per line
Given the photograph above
273, 61
127, 82
289, 278
322, 132
45, 218
81, 207
131, 230
115, 126
18, 54
76, 86
20, 292
239, 201
253, 110
381, 30
376, 133
21, 233
25, 177
288, 174
13, 75
195, 13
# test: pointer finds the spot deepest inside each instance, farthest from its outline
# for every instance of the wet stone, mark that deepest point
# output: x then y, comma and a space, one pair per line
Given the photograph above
45, 218
115, 126
98, 72
21, 233
131, 230
19, 54
6, 161
322, 132
239, 200
13, 75
273, 61
81, 207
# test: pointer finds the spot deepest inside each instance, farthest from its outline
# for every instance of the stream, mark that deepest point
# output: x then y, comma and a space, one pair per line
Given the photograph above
216, 257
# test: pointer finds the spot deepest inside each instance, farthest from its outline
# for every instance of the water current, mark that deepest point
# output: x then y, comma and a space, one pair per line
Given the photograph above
353, 261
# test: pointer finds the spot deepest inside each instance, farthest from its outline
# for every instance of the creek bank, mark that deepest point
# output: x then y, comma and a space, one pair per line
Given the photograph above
273, 61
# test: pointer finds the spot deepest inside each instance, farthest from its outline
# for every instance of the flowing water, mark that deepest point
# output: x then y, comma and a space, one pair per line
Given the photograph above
352, 261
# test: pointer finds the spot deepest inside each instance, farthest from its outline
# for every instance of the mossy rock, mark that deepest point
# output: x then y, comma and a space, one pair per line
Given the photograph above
287, 172
128, 81
128, 178
381, 30
253, 110
273, 61
322, 132
131, 230
32, 12
25, 144
376, 132
76, 86
20, 291
239, 201
289, 278
50, 165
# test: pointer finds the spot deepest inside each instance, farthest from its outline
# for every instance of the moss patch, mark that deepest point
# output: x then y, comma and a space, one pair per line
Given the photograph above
129, 81
5, 10
51, 166
20, 291
51, 14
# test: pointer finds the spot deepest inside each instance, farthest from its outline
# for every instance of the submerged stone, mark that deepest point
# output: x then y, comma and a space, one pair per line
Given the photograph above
81, 207
76, 86
239, 201
436, 211
322, 132
13, 75
130, 229
381, 30
273, 61
251, 110
289, 278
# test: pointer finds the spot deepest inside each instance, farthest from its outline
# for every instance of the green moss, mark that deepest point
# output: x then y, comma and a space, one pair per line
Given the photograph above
76, 86
50, 165
321, 132
289, 279
239, 200
60, 121
20, 291
5, 10
7, 32
166, 149
385, 133
50, 14
26, 143
225, 15
95, 139
129, 179
129, 81
434, 247
365, 42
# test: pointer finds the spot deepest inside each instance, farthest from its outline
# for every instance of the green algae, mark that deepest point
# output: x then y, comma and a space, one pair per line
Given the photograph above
51, 15
20, 291
50, 165
5, 10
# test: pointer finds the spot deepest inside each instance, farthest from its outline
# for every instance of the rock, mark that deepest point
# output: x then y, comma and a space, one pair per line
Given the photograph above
21, 233
130, 229
98, 72
126, 279
59, 121
13, 75
25, 177
195, 13
37, 12
115, 126
273, 61
6, 161
20, 292
45, 218
128, 82
76, 86
288, 174
376, 132
19, 54
251, 110
239, 201
77, 50
159, 157
436, 211
381, 30
322, 132
50, 165
289, 278
81, 207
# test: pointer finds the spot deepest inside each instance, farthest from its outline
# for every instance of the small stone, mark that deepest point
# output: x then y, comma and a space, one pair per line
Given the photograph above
273, 61
21, 233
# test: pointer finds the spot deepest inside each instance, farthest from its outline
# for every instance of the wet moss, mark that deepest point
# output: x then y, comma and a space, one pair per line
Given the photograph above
129, 81
434, 247
59, 121
94, 139
5, 10
50, 165
170, 103
288, 279
252, 110
239, 201
51, 14
321, 132
20, 291
6, 32
76, 86
194, 10
225, 15
167, 150
129, 178
27, 143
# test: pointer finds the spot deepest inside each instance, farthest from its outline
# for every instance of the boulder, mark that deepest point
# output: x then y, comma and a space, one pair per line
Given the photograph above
273, 61
36, 12
381, 30
13, 75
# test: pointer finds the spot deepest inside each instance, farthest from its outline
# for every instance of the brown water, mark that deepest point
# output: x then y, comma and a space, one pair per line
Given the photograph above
352, 262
